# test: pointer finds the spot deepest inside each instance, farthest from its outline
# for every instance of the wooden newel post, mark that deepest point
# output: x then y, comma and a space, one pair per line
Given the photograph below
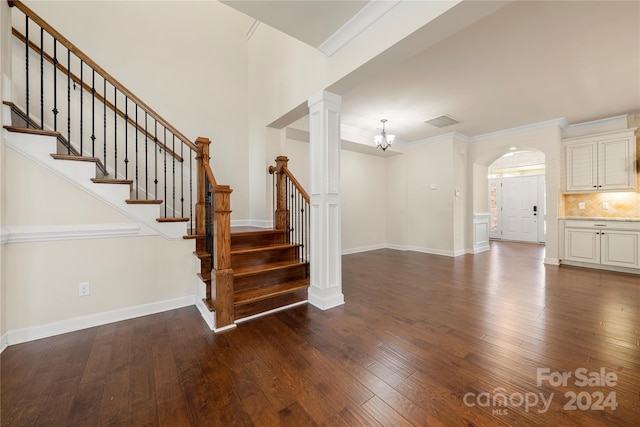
282, 212
201, 209
223, 278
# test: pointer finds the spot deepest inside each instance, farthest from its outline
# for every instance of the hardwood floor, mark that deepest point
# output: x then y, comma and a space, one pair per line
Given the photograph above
422, 340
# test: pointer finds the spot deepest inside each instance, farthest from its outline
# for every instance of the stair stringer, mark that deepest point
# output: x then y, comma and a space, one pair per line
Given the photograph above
39, 148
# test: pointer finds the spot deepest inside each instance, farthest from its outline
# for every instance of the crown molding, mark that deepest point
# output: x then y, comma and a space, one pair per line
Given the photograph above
560, 123
369, 14
595, 126
443, 137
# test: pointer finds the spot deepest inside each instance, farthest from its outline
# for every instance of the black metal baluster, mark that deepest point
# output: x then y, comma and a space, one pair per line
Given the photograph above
165, 176
41, 78
126, 137
104, 127
93, 113
146, 158
81, 104
273, 197
137, 132
173, 174
115, 131
155, 163
68, 101
182, 179
55, 85
26, 62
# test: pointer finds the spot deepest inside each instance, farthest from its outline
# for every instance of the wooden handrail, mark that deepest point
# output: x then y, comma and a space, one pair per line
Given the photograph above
210, 176
98, 96
295, 182
91, 63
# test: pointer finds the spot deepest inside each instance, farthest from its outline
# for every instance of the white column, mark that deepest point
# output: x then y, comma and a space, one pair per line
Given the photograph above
326, 245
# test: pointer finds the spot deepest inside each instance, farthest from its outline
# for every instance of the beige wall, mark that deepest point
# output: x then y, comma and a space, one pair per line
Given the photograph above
42, 278
363, 191
363, 199
431, 211
186, 60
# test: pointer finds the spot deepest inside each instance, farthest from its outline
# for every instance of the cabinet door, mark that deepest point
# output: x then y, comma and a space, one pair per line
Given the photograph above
620, 248
582, 245
581, 170
615, 164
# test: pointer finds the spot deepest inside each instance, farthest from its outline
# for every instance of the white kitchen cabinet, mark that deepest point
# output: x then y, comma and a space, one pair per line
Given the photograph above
604, 162
607, 243
582, 245
620, 248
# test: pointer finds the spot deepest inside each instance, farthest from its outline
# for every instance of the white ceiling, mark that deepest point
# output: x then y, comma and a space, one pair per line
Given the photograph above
526, 62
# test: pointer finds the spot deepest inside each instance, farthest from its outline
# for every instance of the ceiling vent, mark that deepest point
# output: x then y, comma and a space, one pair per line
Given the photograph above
442, 121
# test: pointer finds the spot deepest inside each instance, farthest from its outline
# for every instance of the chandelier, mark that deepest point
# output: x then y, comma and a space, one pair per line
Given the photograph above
384, 140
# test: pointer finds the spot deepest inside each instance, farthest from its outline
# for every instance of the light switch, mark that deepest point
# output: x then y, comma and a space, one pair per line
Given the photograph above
581, 205
605, 205
457, 193
433, 187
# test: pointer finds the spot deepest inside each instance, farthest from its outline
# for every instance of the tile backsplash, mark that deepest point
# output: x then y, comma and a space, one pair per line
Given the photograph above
621, 205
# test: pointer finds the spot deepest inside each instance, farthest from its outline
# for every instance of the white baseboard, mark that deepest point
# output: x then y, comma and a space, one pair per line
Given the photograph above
601, 267
363, 249
275, 310
552, 261
324, 302
397, 247
77, 323
435, 251
479, 249
4, 341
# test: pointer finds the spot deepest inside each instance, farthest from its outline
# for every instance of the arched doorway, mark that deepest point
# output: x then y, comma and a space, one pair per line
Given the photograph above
517, 198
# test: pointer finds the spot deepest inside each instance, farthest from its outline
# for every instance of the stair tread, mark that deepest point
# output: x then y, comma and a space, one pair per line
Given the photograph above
193, 236
111, 181
254, 269
177, 219
201, 254
143, 202
257, 294
264, 248
75, 157
256, 232
31, 131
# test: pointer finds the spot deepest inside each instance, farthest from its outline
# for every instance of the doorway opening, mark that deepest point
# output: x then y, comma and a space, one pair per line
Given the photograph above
517, 197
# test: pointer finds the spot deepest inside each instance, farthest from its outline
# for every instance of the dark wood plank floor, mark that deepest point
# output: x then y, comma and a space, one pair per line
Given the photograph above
422, 340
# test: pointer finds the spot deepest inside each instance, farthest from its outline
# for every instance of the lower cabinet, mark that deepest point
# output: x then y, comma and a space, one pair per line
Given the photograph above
602, 242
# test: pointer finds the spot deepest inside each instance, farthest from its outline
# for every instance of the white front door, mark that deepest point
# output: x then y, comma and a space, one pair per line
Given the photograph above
519, 208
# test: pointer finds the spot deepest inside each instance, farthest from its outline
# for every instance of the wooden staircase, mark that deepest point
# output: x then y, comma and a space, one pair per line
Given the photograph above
245, 272
268, 272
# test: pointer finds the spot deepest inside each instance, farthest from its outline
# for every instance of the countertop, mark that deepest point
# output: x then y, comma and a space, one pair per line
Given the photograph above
593, 218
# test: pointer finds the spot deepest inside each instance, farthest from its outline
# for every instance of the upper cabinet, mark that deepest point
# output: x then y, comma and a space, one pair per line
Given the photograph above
604, 162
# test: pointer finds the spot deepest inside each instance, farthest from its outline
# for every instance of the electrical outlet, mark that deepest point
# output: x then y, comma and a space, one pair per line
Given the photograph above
581, 206
83, 290
605, 205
